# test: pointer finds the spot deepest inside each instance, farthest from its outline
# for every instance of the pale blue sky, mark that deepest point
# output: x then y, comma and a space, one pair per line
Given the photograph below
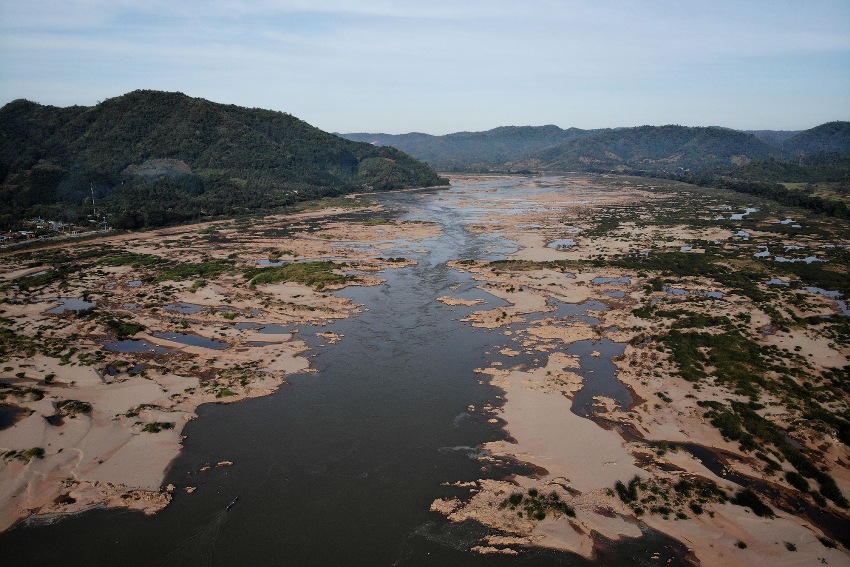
446, 65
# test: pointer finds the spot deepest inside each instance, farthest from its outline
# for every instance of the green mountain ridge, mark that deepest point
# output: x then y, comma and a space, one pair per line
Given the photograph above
158, 157
662, 149
831, 137
465, 151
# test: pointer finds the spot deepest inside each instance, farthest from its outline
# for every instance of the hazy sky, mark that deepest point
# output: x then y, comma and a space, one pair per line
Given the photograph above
442, 66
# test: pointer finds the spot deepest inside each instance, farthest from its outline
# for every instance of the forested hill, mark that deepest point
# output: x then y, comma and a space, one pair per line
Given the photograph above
158, 157
654, 148
832, 137
651, 149
475, 151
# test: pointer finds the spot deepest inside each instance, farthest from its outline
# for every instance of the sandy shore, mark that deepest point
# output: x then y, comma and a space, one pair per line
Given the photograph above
93, 426
578, 459
96, 427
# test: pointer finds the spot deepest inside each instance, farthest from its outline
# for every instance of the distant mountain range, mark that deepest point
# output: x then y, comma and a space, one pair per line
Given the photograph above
151, 158
157, 157
659, 149
465, 151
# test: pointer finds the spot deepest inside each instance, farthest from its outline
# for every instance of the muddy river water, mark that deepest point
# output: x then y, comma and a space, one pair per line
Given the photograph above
339, 467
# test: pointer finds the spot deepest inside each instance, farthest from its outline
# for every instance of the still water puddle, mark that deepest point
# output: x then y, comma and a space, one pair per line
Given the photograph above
266, 328
70, 304
600, 375
834, 295
183, 307
740, 216
622, 280
562, 243
193, 340
135, 346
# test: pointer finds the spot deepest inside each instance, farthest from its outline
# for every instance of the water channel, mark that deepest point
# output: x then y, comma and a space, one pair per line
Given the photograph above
340, 467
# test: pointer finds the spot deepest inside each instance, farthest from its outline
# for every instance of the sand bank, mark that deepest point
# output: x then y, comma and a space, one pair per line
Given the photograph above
580, 459
102, 407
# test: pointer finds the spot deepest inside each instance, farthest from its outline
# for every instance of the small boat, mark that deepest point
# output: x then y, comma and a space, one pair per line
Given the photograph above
229, 506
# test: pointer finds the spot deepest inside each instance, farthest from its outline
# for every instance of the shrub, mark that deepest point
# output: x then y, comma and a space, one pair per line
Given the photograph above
157, 426
73, 407
628, 494
34, 453
749, 499
797, 480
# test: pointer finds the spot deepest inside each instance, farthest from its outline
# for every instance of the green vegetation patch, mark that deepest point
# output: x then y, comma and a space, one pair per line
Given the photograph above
663, 497
737, 361
535, 505
40, 280
124, 329
225, 393
749, 499
28, 393
133, 412
316, 274
831, 275
71, 408
743, 279
740, 422
530, 265
28, 455
157, 426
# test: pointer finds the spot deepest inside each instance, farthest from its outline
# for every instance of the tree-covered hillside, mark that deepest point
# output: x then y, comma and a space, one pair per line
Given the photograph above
648, 149
475, 151
809, 168
773, 137
156, 157
832, 137
654, 148
821, 154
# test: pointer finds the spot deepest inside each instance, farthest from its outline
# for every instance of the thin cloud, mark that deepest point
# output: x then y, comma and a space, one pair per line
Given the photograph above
475, 64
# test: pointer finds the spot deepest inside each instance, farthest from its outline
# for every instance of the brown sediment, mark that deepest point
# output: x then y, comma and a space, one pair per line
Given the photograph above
116, 449
535, 399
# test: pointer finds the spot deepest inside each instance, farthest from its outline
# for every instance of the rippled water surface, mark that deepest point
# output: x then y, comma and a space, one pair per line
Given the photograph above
340, 467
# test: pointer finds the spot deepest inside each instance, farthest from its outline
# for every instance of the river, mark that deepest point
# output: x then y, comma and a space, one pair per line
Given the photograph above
339, 467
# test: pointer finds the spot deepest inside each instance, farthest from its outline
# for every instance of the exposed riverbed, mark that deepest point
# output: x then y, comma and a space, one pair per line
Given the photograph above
340, 466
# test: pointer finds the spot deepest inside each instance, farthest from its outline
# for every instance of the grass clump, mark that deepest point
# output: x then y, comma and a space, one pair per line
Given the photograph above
72, 408
797, 480
749, 499
27, 456
38, 281
628, 493
157, 426
28, 393
315, 274
535, 505
666, 498
124, 329
224, 393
